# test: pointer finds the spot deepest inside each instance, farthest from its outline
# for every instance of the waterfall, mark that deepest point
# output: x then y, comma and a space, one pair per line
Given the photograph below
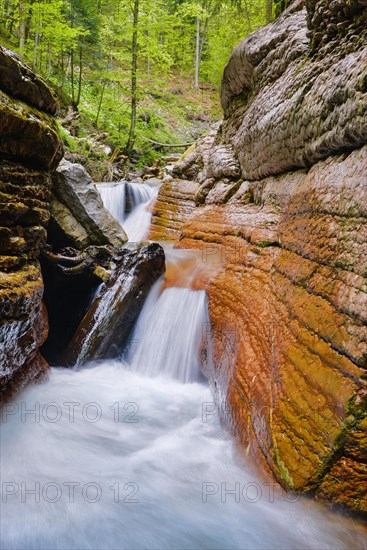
129, 203
168, 334
138, 193
113, 197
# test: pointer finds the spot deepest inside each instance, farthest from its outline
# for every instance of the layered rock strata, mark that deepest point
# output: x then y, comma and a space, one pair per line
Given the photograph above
282, 195
30, 149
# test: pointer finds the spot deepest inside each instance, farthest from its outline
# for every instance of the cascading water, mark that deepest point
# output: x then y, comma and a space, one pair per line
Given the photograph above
128, 202
177, 311
114, 198
131, 454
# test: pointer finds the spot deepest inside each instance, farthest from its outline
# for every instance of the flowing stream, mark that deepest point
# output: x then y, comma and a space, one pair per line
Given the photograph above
129, 203
131, 454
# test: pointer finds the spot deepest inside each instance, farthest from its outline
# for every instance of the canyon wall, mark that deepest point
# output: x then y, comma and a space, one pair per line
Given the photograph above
29, 150
280, 189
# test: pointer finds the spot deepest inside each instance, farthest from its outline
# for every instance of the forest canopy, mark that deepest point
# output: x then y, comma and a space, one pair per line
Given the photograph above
108, 55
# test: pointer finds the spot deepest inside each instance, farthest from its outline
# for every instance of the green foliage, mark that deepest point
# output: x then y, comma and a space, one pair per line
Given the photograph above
84, 48
68, 140
281, 5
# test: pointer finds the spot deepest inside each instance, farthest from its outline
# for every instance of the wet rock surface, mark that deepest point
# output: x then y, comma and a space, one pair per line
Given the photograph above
105, 328
23, 326
288, 302
29, 148
78, 216
174, 203
71, 279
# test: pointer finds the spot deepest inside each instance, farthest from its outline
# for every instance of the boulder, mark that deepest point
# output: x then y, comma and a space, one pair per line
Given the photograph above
64, 229
105, 328
289, 99
299, 108
78, 211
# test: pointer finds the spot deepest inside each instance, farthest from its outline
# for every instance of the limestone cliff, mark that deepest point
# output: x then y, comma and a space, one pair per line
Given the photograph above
281, 195
29, 149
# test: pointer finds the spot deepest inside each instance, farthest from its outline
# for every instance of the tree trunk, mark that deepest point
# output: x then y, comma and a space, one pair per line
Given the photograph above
148, 59
248, 17
48, 60
36, 40
80, 74
100, 103
197, 53
22, 25
10, 17
202, 39
62, 69
269, 11
72, 78
134, 65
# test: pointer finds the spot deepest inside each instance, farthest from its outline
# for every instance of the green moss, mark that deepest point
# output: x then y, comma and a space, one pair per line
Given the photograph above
289, 483
355, 413
70, 142
283, 471
265, 244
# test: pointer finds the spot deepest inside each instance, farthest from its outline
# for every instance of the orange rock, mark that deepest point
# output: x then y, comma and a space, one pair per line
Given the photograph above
288, 305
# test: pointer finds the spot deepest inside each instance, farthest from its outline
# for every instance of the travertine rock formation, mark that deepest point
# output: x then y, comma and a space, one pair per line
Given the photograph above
29, 149
174, 203
288, 304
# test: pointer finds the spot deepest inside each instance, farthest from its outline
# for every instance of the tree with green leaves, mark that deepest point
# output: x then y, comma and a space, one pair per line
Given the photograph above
114, 58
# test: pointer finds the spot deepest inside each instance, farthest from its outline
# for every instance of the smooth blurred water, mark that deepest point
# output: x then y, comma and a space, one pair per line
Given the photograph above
126, 455
159, 441
169, 332
129, 203
114, 198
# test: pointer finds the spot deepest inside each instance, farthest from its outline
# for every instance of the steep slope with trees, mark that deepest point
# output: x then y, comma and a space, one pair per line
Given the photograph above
138, 71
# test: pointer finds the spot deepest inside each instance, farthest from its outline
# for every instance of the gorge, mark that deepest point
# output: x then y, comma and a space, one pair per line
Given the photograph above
207, 333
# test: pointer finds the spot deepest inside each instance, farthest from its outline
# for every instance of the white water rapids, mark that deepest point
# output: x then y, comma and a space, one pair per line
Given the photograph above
129, 202
176, 311
132, 455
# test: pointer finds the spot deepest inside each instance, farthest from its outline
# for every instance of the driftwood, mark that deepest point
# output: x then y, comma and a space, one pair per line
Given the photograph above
72, 115
74, 261
176, 145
